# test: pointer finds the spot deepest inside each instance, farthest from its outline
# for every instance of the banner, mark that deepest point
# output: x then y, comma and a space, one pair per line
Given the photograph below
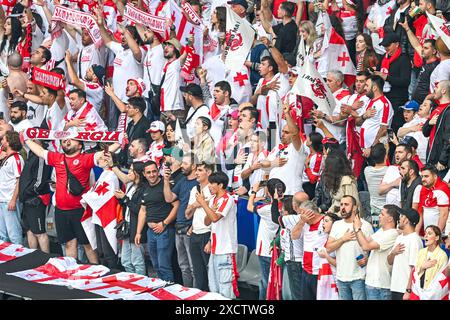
47, 79
122, 125
155, 23
10, 251
81, 19
442, 28
192, 61
93, 136
239, 39
191, 13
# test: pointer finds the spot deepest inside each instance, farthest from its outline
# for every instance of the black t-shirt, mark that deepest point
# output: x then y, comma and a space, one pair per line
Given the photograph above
157, 209
423, 82
286, 36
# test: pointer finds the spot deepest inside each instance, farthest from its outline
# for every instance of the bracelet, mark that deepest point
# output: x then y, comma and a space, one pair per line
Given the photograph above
408, 290
164, 225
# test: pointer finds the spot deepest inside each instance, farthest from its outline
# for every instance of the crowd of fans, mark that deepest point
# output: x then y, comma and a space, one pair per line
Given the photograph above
337, 222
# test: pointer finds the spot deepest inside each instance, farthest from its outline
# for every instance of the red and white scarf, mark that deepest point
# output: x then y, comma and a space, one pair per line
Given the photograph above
386, 62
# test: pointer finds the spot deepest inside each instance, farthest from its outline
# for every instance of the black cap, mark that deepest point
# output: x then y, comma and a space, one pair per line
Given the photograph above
412, 215
241, 2
389, 38
99, 71
193, 89
411, 141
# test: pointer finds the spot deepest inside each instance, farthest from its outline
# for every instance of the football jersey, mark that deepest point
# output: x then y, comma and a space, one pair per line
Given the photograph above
224, 231
266, 231
370, 126
313, 239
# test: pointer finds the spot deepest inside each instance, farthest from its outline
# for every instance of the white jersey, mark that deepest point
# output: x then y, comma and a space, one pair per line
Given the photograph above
125, 67
314, 238
94, 94
10, 171
418, 135
291, 173
153, 67
36, 113
224, 231
22, 125
88, 56
293, 249
266, 231
378, 15
258, 174
435, 199
441, 72
171, 98
393, 196
370, 126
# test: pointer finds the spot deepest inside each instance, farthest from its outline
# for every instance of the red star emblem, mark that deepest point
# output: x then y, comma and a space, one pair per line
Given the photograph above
102, 188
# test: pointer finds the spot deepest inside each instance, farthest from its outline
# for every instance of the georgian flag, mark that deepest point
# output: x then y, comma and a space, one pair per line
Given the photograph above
184, 29
442, 28
10, 251
437, 290
335, 55
310, 84
326, 283
178, 292
110, 14
123, 285
102, 208
239, 40
59, 271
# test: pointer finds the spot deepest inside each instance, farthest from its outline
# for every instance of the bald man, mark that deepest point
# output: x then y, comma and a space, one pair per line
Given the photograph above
17, 79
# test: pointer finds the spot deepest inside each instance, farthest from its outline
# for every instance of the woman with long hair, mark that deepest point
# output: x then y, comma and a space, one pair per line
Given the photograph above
203, 142
431, 262
132, 256
307, 30
366, 58
338, 179
216, 31
313, 163
11, 34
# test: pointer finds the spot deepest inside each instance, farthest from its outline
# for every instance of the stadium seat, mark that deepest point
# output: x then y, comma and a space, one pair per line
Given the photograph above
252, 272
241, 257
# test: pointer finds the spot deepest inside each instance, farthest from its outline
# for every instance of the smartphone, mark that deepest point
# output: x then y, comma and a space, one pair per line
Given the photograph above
247, 151
106, 150
390, 133
168, 164
199, 190
2, 115
279, 188
10, 96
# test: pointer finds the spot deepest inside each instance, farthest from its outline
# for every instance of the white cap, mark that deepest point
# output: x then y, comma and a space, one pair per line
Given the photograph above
156, 126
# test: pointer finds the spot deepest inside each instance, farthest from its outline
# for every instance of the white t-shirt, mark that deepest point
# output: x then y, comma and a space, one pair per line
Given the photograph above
36, 113
88, 56
203, 111
10, 170
441, 72
224, 231
370, 126
266, 231
291, 172
293, 249
22, 125
378, 273
393, 196
125, 67
153, 65
55, 121
94, 94
171, 98
401, 268
198, 219
435, 200
418, 135
258, 174
347, 268
374, 176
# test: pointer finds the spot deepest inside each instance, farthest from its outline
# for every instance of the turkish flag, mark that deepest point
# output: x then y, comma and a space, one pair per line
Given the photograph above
105, 208
335, 55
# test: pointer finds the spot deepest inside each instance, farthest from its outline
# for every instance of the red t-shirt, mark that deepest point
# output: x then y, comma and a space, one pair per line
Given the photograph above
80, 166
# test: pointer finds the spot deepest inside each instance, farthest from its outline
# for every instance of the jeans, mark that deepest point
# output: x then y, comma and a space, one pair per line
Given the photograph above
200, 260
292, 278
132, 258
264, 262
220, 275
351, 290
309, 286
160, 249
373, 293
10, 228
182, 244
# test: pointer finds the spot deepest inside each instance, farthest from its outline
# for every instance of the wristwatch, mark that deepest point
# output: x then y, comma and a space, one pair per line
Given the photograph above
408, 290
357, 230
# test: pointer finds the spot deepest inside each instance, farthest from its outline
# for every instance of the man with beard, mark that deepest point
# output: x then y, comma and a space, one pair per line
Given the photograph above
18, 116
68, 209
391, 180
40, 57
134, 89
182, 191
350, 257
431, 200
153, 68
403, 255
92, 83
377, 115
409, 170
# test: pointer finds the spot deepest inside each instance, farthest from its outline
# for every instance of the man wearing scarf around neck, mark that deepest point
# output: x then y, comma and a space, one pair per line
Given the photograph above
395, 70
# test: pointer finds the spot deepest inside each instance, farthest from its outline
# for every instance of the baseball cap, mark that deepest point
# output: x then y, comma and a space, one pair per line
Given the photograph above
233, 114
139, 83
411, 105
192, 89
175, 43
411, 214
156, 126
99, 72
293, 70
389, 38
240, 2
411, 141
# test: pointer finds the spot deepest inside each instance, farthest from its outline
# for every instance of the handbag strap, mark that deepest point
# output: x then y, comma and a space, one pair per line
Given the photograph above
193, 113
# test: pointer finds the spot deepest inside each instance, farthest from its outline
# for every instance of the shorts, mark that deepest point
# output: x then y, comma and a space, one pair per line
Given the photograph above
33, 217
68, 226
